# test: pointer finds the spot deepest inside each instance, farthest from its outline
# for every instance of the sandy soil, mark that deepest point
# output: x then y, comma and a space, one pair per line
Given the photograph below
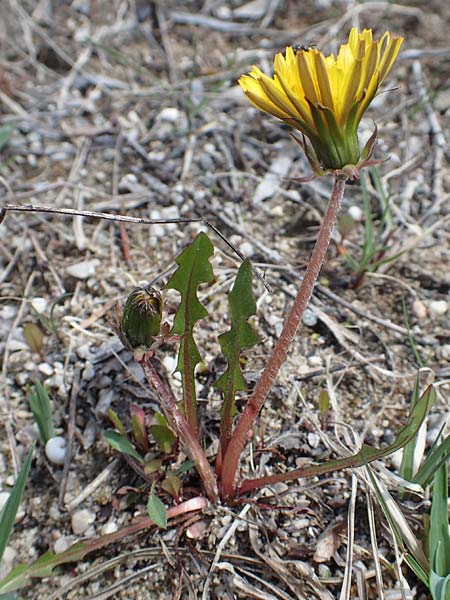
132, 108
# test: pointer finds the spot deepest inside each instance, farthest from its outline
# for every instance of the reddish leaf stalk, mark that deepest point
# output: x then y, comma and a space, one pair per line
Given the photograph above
244, 426
187, 434
226, 426
189, 403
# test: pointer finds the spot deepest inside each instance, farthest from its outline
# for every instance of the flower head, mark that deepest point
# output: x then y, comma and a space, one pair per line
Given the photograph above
141, 318
325, 97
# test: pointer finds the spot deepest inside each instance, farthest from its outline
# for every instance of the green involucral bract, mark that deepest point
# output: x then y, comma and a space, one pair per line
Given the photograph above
141, 320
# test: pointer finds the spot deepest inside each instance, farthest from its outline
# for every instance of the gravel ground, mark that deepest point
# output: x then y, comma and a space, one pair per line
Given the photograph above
132, 108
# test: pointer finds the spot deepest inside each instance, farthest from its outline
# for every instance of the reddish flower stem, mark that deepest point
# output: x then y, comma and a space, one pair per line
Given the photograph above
244, 425
188, 435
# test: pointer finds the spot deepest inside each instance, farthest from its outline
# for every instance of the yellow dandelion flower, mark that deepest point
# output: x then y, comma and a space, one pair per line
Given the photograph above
325, 97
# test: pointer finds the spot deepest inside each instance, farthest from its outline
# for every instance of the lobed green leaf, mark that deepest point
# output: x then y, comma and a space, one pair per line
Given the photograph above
239, 337
194, 268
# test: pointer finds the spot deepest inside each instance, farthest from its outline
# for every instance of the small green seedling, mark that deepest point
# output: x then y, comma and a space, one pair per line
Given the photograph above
433, 472
439, 537
41, 407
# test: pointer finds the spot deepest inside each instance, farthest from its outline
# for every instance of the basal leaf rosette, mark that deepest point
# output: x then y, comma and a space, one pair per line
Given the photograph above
325, 97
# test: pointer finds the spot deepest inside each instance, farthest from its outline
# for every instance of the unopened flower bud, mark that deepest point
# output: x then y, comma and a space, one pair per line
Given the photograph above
141, 319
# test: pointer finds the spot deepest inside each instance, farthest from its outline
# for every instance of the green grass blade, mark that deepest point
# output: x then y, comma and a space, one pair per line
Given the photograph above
11, 507
407, 465
439, 587
419, 572
436, 457
41, 408
404, 536
439, 536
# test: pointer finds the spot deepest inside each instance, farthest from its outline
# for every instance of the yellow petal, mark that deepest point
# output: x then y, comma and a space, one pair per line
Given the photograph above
389, 56
323, 81
307, 76
256, 94
323, 96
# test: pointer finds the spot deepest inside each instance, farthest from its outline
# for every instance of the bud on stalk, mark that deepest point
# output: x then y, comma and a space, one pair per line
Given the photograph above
141, 319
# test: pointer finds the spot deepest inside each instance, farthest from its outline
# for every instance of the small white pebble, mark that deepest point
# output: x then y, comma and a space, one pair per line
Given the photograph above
169, 114
170, 363
9, 555
46, 369
313, 440
355, 212
84, 351
7, 312
81, 519
84, 269
109, 527
277, 211
105, 398
247, 249
16, 346
55, 449
128, 182
223, 12
61, 545
82, 34
3, 499
324, 571
438, 308
39, 304
419, 309
54, 513
445, 351
309, 318
300, 523
315, 361
88, 372
396, 459
197, 530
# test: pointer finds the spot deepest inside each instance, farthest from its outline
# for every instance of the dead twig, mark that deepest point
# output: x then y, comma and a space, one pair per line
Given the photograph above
93, 485
123, 219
